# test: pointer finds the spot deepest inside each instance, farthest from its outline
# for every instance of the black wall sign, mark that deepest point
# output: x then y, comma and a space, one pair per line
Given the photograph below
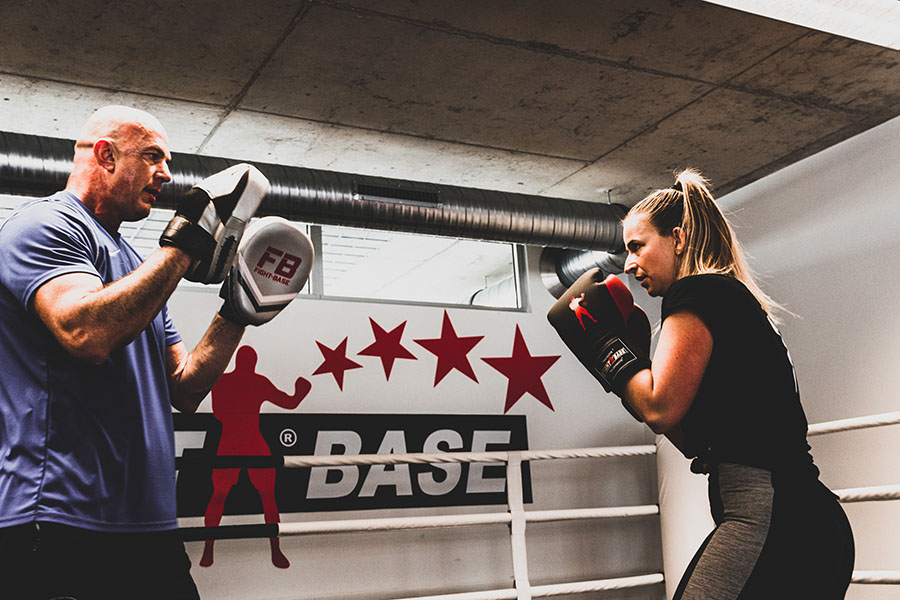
255, 490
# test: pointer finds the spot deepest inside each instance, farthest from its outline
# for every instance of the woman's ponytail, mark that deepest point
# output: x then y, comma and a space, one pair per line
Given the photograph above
710, 244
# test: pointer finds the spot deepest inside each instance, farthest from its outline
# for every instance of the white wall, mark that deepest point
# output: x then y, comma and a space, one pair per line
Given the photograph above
390, 565
825, 234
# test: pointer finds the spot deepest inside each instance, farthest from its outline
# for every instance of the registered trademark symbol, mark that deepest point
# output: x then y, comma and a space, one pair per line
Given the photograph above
288, 437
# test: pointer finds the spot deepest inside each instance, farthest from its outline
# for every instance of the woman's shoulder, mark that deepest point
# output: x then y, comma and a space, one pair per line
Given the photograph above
708, 283
705, 292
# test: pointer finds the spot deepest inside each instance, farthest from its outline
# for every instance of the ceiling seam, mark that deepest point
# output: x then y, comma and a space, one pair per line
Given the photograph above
555, 50
294, 117
531, 46
773, 164
102, 88
791, 99
823, 143
420, 137
647, 129
239, 97
656, 124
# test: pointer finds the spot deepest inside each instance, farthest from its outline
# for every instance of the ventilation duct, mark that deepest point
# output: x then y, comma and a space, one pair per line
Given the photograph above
502, 293
560, 268
36, 166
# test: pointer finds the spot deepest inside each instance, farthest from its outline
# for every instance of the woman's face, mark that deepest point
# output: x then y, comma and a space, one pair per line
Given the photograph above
652, 257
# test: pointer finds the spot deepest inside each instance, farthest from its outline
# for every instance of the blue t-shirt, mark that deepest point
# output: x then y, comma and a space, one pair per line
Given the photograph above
84, 445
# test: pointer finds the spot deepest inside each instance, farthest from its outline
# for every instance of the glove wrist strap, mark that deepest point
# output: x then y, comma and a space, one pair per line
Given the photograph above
616, 364
227, 313
187, 236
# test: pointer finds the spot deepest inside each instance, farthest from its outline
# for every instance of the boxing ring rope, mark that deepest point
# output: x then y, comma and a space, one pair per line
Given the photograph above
891, 418
560, 589
516, 517
881, 577
335, 460
865, 494
398, 523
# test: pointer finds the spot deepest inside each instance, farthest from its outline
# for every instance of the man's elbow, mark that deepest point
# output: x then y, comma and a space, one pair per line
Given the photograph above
80, 344
184, 399
186, 405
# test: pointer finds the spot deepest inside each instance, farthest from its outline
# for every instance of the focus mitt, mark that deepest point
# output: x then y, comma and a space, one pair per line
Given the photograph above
210, 220
271, 267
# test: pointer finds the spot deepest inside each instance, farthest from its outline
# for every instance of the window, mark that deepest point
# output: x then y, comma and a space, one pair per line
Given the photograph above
381, 265
385, 265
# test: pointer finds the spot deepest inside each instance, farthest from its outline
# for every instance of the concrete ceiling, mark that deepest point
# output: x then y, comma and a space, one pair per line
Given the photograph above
567, 99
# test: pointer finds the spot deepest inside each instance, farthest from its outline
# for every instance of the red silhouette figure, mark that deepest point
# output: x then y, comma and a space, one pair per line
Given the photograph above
236, 400
580, 311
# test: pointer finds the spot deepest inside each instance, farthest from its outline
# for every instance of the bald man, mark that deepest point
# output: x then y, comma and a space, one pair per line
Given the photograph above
91, 366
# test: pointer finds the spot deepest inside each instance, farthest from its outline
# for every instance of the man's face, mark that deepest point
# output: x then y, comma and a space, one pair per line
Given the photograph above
142, 156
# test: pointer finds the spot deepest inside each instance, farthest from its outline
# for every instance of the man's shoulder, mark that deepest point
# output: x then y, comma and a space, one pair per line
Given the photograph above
61, 203
61, 211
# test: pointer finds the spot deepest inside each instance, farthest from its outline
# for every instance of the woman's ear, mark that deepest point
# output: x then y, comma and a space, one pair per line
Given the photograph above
678, 234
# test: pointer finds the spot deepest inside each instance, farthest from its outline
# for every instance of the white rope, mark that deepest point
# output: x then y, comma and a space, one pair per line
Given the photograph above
295, 461
598, 585
438, 521
884, 577
892, 418
390, 524
865, 494
509, 594
615, 512
559, 589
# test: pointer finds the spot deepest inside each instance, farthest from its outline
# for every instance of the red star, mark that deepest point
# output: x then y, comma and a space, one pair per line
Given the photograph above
336, 362
451, 351
524, 372
387, 346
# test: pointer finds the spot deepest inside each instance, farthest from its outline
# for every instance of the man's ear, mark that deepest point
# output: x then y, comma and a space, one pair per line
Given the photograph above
678, 234
105, 154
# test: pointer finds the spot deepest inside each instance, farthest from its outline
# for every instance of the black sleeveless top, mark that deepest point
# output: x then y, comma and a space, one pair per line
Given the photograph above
747, 410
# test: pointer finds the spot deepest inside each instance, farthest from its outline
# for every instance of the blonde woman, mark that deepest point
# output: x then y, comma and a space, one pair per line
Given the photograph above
721, 386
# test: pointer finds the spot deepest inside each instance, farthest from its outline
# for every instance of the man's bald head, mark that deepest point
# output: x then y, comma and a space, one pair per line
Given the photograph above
120, 164
114, 122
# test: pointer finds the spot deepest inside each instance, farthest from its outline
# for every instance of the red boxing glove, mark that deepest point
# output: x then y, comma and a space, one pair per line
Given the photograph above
604, 328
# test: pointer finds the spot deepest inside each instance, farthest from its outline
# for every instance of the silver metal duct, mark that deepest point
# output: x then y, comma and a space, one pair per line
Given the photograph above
498, 294
35, 166
560, 268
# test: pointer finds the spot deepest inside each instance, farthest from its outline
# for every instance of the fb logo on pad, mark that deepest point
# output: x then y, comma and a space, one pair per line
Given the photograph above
286, 265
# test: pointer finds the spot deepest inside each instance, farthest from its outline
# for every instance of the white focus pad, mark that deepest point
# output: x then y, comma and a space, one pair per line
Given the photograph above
235, 195
271, 267
247, 195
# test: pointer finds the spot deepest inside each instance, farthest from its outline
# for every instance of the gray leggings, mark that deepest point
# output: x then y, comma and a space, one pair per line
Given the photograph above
769, 545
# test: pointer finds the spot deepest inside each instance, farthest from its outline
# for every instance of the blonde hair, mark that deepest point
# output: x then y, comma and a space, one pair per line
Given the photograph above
710, 245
